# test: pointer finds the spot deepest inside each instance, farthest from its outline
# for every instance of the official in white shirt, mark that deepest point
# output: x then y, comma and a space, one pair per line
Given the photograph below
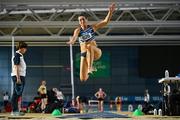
18, 76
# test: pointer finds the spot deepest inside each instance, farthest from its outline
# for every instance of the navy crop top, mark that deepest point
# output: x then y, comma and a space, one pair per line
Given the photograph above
86, 35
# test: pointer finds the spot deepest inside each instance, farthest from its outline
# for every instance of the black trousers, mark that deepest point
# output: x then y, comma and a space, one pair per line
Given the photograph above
166, 105
17, 92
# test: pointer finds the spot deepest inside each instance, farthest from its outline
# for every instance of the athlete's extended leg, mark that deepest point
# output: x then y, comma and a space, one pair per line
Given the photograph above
83, 67
93, 53
90, 58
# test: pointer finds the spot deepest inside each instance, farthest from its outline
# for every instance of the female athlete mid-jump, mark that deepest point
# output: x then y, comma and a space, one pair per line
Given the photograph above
89, 50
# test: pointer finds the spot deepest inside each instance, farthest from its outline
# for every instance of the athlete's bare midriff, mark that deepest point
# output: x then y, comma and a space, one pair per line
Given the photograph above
84, 45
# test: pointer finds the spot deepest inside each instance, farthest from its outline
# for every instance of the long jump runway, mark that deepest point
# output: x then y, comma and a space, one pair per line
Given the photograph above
39, 116
95, 115
90, 116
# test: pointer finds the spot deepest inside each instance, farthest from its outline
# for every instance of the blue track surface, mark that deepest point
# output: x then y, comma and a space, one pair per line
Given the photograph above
95, 115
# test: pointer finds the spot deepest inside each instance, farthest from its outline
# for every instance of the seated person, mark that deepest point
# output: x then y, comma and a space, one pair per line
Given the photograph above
55, 100
71, 107
58, 94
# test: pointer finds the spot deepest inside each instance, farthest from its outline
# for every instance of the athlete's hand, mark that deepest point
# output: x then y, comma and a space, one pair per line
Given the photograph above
112, 7
70, 42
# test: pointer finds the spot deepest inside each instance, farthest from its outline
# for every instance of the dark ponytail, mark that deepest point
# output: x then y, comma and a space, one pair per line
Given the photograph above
21, 44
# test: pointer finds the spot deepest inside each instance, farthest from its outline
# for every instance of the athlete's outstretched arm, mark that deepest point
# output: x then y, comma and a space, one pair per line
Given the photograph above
106, 20
74, 37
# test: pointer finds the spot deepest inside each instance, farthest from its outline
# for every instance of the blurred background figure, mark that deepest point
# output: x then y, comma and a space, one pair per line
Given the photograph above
5, 100
71, 107
43, 93
118, 102
79, 104
111, 103
146, 98
100, 95
166, 95
59, 95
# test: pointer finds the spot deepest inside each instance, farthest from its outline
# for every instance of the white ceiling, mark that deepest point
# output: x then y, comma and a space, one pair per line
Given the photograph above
51, 22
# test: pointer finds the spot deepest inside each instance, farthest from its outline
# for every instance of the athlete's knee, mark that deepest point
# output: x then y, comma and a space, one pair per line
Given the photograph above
97, 55
99, 52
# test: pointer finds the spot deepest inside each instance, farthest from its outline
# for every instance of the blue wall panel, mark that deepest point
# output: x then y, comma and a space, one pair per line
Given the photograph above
52, 64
